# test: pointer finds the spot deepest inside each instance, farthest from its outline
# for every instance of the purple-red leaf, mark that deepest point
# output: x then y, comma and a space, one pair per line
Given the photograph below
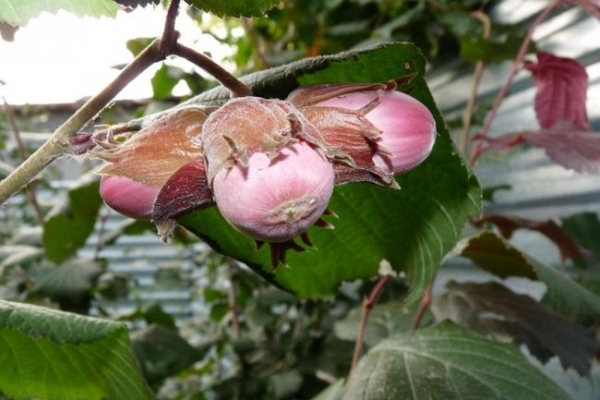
561, 85
494, 310
576, 150
568, 247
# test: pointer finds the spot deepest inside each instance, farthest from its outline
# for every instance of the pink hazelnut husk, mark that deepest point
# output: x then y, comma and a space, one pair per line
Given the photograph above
128, 197
407, 127
276, 199
247, 125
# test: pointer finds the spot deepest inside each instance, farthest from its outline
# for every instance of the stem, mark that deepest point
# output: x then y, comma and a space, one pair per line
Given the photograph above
423, 306
514, 69
237, 88
255, 40
61, 138
170, 35
23, 154
367, 306
477, 73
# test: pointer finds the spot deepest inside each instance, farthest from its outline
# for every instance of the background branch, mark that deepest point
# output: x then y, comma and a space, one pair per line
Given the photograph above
61, 138
514, 69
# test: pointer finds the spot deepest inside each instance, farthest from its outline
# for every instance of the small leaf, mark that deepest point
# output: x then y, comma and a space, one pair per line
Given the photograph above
49, 354
585, 228
564, 295
447, 362
162, 352
493, 310
72, 280
497, 48
135, 46
19, 12
385, 320
335, 391
67, 231
235, 8
561, 85
164, 80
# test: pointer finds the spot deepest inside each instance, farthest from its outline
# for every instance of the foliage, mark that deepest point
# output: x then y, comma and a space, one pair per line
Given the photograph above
21, 11
291, 333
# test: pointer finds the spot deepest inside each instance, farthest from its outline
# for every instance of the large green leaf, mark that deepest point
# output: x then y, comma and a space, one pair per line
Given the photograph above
18, 12
235, 8
448, 362
412, 228
49, 354
564, 295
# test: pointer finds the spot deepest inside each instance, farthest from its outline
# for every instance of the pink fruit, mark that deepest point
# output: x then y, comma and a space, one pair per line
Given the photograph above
407, 126
276, 199
128, 197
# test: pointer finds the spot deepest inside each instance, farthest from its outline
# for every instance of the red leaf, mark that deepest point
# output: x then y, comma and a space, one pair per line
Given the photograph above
568, 247
561, 85
576, 150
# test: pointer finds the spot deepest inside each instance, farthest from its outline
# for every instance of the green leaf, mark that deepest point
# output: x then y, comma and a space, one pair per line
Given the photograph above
19, 12
564, 295
235, 8
164, 80
67, 230
72, 280
162, 352
585, 229
413, 228
49, 354
448, 362
335, 391
137, 45
498, 48
385, 320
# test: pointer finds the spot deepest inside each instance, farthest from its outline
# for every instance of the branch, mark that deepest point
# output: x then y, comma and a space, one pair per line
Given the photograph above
367, 306
477, 73
514, 69
237, 88
23, 154
423, 305
61, 138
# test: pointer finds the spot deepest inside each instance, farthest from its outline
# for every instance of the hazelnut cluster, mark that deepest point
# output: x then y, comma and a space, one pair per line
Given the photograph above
269, 165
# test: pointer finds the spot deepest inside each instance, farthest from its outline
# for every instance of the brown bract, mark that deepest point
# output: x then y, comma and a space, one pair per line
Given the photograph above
154, 153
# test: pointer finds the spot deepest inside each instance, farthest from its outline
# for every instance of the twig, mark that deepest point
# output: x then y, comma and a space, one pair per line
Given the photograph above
170, 35
367, 306
255, 40
477, 73
514, 69
23, 154
61, 138
237, 88
423, 305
